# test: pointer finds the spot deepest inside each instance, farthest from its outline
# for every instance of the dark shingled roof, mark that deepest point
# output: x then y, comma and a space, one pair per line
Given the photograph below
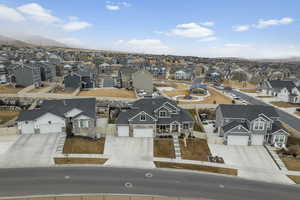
149, 105
249, 112
60, 107
282, 84
233, 124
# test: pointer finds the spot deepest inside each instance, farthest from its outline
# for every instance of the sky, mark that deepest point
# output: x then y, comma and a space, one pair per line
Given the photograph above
215, 28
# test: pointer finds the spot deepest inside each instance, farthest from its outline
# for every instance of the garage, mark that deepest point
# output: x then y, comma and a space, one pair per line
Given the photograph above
51, 128
123, 131
26, 127
237, 140
257, 139
143, 132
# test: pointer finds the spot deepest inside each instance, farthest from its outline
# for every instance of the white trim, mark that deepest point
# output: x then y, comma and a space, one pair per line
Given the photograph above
140, 113
236, 127
44, 115
280, 130
163, 106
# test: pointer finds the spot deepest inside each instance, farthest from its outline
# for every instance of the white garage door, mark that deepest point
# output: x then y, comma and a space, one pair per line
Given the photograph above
143, 132
51, 128
237, 140
257, 139
123, 131
27, 129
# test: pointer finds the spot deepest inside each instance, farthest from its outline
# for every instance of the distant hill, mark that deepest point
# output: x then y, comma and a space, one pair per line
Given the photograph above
42, 41
30, 41
10, 41
284, 60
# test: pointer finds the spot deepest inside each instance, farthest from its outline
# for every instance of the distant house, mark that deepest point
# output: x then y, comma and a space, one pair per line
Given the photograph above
150, 117
143, 80
184, 74
83, 79
48, 71
27, 74
213, 76
55, 116
250, 125
285, 90
3, 74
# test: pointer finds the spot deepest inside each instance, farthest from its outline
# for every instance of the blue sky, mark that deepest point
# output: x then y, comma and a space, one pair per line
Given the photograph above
226, 28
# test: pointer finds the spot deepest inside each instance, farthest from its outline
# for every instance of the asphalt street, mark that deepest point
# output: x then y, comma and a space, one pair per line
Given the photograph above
287, 118
91, 180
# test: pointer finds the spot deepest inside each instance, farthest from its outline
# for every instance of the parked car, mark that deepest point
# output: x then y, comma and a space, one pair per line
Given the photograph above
298, 109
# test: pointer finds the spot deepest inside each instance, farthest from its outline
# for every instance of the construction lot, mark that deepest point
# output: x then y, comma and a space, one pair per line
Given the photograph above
9, 89
118, 93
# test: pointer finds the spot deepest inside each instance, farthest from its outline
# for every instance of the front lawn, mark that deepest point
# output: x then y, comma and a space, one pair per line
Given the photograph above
7, 115
80, 145
164, 148
63, 161
296, 179
283, 104
291, 163
196, 149
218, 170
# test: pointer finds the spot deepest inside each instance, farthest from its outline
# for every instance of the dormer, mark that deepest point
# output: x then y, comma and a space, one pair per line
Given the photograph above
72, 113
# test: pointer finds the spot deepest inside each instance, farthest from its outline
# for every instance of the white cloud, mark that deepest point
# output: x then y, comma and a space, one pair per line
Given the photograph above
208, 39
38, 13
191, 30
154, 46
112, 7
241, 28
236, 45
208, 23
272, 22
10, 14
76, 25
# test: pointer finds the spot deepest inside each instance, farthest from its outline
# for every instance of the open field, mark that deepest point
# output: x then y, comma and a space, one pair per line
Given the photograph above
164, 148
8, 89
249, 90
236, 84
121, 93
283, 104
296, 179
6, 115
196, 149
181, 92
292, 163
215, 97
218, 170
79, 145
173, 84
62, 161
61, 91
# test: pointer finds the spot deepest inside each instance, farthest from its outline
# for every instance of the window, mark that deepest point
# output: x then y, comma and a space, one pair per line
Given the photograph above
185, 126
143, 117
259, 125
279, 138
162, 113
83, 123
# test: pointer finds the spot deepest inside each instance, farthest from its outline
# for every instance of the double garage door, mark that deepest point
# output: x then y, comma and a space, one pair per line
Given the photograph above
123, 131
243, 140
51, 128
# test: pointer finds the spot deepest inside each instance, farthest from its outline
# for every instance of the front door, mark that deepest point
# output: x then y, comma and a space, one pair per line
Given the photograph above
175, 128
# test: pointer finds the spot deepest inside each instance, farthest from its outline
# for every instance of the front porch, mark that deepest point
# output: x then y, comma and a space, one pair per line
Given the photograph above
173, 129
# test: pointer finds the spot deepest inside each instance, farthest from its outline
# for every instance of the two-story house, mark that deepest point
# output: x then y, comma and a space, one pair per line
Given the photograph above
285, 90
150, 117
54, 116
184, 74
27, 74
250, 125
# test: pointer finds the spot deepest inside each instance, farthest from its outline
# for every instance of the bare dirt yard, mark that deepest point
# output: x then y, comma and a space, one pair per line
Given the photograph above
297, 113
215, 97
292, 163
172, 84
180, 92
62, 161
61, 91
164, 148
296, 179
196, 149
35, 90
6, 115
237, 84
283, 104
9, 89
78, 145
118, 93
218, 170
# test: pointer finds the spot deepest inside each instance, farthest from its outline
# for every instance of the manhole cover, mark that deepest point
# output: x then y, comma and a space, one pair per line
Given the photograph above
149, 175
128, 185
221, 186
67, 177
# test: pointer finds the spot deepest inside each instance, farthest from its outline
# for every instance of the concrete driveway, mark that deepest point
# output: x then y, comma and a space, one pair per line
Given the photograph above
30, 151
253, 162
129, 152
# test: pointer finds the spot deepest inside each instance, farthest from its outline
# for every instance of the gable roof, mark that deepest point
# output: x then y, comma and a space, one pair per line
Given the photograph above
60, 108
234, 124
279, 84
249, 112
